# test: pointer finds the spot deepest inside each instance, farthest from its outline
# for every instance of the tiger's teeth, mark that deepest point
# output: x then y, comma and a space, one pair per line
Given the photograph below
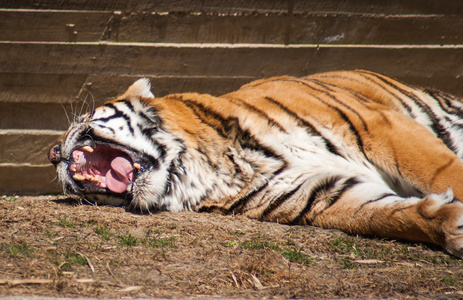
87, 149
78, 177
73, 168
94, 179
137, 166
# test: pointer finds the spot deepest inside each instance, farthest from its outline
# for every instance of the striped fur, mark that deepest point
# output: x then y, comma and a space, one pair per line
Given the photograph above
356, 151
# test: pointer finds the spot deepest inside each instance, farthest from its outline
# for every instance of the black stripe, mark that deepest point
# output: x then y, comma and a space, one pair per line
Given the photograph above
436, 125
303, 123
162, 149
257, 111
229, 128
441, 169
405, 105
357, 94
323, 188
348, 184
238, 205
279, 201
106, 127
72, 134
148, 132
341, 114
376, 200
153, 117
117, 114
325, 86
445, 102
127, 103
236, 167
171, 173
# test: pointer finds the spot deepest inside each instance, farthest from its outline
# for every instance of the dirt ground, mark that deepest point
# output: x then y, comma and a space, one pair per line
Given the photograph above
55, 246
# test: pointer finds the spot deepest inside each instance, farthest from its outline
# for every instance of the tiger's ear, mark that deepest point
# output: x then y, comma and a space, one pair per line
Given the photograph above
140, 88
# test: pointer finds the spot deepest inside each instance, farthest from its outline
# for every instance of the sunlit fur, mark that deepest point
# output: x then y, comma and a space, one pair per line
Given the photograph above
356, 151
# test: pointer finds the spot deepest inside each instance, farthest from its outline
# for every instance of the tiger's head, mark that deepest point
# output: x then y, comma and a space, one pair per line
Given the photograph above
120, 154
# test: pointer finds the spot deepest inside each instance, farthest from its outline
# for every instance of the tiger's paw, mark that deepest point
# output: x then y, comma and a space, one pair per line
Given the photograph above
446, 212
452, 228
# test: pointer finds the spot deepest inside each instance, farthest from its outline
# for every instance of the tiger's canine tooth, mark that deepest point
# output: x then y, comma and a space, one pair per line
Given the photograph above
73, 168
94, 179
87, 149
78, 177
137, 166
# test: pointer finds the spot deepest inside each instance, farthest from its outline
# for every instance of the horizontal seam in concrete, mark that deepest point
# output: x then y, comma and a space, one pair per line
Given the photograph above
235, 46
30, 132
22, 165
185, 76
26, 10
238, 13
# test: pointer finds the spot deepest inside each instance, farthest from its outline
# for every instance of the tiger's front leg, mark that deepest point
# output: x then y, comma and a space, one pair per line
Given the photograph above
436, 218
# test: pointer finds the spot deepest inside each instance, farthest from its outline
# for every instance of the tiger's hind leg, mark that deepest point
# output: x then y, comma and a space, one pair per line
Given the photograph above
374, 210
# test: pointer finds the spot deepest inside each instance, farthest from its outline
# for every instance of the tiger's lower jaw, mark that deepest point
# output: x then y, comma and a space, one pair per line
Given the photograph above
90, 191
106, 199
140, 197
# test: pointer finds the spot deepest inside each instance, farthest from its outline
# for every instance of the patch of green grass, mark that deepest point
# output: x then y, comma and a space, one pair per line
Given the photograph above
347, 263
75, 258
345, 245
292, 255
156, 241
128, 239
103, 232
444, 260
64, 222
259, 243
453, 280
231, 243
50, 234
404, 250
350, 249
296, 256
17, 249
65, 267
162, 242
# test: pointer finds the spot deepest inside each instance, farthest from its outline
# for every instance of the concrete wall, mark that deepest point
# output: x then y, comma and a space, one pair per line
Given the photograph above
54, 55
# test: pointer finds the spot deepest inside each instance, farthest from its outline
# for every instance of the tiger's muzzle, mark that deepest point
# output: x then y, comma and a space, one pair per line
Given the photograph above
54, 155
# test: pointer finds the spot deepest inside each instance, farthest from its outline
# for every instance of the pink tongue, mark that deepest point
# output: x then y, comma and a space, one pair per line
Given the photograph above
120, 175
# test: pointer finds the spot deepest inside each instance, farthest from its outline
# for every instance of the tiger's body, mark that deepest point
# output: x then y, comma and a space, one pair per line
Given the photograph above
356, 151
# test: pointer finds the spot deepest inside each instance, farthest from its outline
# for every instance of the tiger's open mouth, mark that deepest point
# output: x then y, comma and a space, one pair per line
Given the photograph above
103, 168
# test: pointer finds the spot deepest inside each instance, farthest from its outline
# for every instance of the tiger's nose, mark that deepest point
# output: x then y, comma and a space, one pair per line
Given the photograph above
54, 155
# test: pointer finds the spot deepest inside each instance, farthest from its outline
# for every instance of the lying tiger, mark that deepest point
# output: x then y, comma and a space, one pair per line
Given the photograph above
356, 151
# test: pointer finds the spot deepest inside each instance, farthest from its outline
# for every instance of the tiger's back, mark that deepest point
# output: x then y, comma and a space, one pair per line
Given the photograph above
356, 151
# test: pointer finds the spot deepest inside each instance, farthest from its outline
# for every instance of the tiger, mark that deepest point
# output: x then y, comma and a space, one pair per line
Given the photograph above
355, 151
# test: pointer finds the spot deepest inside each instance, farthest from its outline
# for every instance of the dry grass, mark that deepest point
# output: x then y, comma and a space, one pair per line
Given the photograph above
56, 247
